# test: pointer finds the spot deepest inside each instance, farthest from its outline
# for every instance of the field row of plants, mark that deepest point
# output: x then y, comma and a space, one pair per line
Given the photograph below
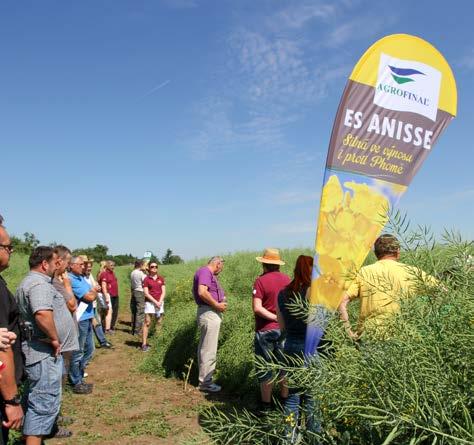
176, 344
416, 387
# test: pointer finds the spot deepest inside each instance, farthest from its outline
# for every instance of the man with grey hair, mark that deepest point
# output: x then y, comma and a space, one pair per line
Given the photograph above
85, 295
211, 303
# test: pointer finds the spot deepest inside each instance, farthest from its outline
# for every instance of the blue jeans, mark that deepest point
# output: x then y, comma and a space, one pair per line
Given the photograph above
294, 347
81, 358
268, 345
98, 330
99, 333
43, 395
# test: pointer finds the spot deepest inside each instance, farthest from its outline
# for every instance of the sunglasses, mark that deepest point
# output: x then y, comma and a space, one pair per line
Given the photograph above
153, 267
7, 247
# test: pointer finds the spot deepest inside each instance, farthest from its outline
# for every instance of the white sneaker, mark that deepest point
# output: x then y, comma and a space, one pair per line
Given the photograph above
85, 375
210, 387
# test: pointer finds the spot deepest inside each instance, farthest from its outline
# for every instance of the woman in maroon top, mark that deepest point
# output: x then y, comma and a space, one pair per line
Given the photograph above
154, 290
108, 283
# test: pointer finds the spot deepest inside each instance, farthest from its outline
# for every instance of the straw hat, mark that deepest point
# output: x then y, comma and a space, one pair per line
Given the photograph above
270, 256
86, 259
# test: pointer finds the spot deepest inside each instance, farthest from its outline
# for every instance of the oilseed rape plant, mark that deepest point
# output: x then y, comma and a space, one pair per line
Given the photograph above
415, 386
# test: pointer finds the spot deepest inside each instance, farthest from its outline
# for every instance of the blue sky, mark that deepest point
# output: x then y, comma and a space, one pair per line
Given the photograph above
203, 126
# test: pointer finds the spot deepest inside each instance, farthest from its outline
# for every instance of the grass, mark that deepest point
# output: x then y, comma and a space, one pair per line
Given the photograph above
17, 270
399, 393
414, 387
177, 341
150, 423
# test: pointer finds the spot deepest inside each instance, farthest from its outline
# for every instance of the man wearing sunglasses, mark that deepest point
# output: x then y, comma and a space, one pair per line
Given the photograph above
11, 413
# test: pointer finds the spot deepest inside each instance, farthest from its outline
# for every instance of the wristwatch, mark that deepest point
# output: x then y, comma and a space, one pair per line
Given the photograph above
15, 401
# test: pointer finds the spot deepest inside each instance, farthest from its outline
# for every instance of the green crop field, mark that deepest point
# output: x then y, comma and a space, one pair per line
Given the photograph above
417, 387
177, 341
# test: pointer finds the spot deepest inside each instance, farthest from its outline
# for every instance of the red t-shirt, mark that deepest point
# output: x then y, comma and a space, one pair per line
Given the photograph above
154, 285
267, 287
109, 277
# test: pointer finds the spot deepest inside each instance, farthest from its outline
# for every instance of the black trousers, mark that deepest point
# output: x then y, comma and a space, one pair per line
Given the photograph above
115, 308
4, 432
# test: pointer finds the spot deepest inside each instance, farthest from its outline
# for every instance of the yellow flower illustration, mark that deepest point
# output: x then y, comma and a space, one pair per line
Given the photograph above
345, 221
349, 222
367, 202
332, 194
327, 287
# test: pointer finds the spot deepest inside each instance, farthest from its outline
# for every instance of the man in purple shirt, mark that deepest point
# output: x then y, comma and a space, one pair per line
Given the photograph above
210, 299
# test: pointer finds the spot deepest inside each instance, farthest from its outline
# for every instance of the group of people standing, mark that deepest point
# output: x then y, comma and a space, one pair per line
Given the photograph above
280, 334
271, 293
59, 306
47, 331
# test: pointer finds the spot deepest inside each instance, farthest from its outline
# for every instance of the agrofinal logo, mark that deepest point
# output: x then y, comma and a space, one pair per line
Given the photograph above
403, 75
407, 85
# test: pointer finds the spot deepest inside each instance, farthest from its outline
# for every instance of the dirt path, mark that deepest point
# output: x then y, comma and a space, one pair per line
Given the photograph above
128, 407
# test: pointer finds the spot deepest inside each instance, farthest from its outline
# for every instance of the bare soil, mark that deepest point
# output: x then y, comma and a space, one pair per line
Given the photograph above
129, 407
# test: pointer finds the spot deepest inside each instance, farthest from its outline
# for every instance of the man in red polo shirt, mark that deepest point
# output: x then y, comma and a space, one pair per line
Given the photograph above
267, 330
108, 283
154, 290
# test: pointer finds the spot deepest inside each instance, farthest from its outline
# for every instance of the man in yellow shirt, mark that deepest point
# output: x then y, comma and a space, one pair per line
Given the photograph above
381, 286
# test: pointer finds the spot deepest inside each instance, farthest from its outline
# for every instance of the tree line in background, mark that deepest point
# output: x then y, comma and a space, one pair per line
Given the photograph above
100, 252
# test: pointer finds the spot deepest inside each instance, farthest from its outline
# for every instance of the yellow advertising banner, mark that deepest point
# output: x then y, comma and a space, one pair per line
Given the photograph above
399, 98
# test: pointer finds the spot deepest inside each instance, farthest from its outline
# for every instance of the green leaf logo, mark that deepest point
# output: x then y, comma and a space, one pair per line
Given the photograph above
403, 75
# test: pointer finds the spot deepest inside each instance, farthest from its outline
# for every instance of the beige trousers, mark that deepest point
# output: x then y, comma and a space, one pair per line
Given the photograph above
209, 323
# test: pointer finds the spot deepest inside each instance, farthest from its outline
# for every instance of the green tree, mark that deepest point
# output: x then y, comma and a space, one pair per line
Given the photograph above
99, 252
155, 259
169, 258
25, 245
122, 259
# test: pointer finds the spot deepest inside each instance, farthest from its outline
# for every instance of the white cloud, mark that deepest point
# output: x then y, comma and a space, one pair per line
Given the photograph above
220, 132
216, 131
156, 88
467, 61
295, 17
280, 70
361, 27
274, 73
